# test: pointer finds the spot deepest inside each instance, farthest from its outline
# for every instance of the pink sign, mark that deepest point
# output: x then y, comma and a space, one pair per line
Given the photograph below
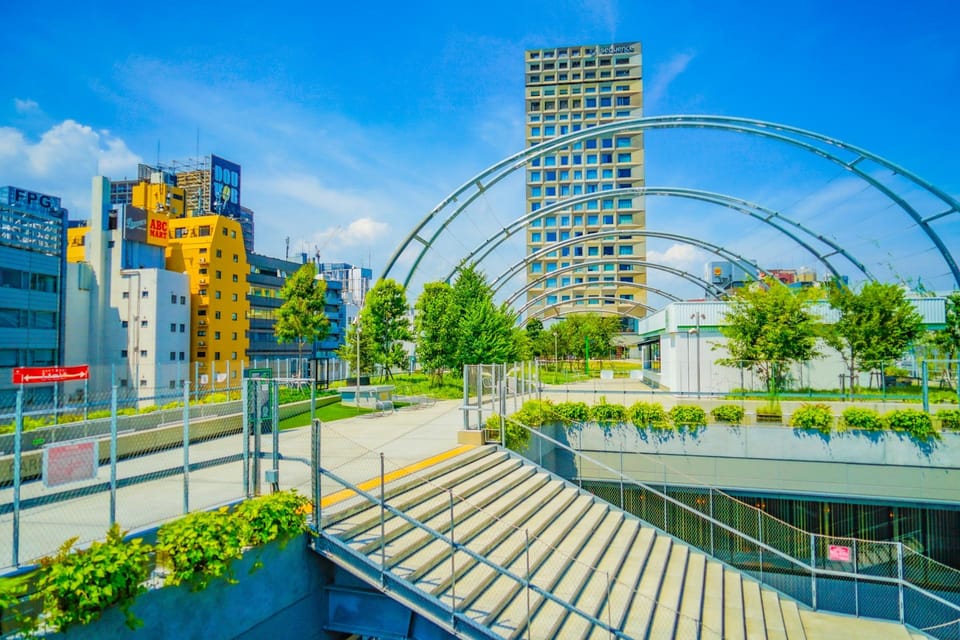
840, 554
63, 463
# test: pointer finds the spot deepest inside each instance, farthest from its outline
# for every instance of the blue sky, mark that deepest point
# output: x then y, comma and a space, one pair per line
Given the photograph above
352, 121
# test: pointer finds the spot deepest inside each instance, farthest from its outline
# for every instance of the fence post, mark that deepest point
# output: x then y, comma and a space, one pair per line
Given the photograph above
712, 521
621, 476
245, 422
926, 386
113, 455
609, 614
900, 566
526, 552
17, 454
186, 447
760, 538
275, 429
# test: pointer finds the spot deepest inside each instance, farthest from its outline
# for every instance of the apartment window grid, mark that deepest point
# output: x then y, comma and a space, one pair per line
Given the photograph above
563, 97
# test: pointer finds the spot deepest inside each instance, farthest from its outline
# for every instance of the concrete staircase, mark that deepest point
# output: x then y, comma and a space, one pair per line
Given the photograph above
600, 562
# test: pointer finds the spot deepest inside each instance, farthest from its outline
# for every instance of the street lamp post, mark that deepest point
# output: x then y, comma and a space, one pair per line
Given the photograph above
357, 374
556, 356
698, 317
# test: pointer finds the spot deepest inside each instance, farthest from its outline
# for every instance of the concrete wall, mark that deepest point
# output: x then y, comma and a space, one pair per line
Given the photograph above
873, 465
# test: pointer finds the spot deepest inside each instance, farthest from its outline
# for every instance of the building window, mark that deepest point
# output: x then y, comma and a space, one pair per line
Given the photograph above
233, 355
216, 315
204, 230
216, 294
216, 355
201, 355
143, 353
236, 278
144, 323
216, 335
144, 294
173, 355
183, 300
173, 299
219, 253
123, 353
123, 324
125, 295
233, 316
183, 328
234, 335
219, 274
182, 355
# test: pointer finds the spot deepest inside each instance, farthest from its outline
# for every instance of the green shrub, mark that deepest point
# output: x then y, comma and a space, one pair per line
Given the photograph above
730, 413
535, 413
572, 411
648, 415
176, 404
214, 398
78, 585
949, 419
516, 437
917, 423
152, 408
688, 415
98, 414
604, 413
818, 417
199, 547
275, 516
861, 418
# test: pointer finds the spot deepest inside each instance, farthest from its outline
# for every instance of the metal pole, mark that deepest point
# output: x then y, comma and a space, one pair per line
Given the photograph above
56, 403
609, 614
196, 381
245, 403
315, 474
357, 375
813, 571
466, 399
621, 475
257, 427
712, 521
900, 570
113, 455
86, 398
17, 451
275, 430
926, 389
453, 566
526, 547
186, 447
383, 530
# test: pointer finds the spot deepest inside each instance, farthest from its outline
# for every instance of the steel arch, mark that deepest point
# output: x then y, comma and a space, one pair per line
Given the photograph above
542, 311
743, 206
775, 131
543, 296
620, 283
742, 262
707, 287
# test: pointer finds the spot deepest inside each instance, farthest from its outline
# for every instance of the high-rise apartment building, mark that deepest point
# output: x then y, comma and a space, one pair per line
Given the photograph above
570, 89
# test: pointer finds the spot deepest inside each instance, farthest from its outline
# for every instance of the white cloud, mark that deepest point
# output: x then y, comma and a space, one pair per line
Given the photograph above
680, 256
63, 160
25, 106
663, 76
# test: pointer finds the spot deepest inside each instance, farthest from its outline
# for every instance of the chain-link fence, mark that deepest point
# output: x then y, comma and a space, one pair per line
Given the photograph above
885, 580
72, 473
499, 389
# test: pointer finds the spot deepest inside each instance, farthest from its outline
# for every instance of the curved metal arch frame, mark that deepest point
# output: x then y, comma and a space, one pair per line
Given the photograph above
542, 311
619, 283
743, 206
707, 287
541, 297
505, 167
742, 262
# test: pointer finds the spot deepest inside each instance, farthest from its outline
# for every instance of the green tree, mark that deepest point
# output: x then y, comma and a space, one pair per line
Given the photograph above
874, 326
435, 328
488, 334
768, 327
535, 333
385, 317
301, 318
947, 340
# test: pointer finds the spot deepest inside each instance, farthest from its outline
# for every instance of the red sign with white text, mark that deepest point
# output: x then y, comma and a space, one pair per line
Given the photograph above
35, 375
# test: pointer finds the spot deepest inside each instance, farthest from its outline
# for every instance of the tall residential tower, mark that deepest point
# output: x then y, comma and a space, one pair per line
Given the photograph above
570, 89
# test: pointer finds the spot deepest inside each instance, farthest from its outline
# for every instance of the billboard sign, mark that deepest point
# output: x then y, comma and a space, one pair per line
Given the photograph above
31, 201
134, 224
224, 187
39, 375
839, 553
157, 229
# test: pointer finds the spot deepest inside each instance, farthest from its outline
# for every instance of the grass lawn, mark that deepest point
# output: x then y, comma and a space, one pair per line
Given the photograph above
328, 413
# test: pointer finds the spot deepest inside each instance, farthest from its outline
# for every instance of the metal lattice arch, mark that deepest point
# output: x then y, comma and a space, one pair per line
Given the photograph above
419, 242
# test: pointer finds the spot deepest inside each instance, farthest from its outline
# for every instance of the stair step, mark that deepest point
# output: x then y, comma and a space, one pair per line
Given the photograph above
640, 614
734, 625
691, 603
549, 563
512, 555
753, 609
352, 520
624, 590
668, 602
425, 504
523, 501
571, 586
617, 563
791, 620
773, 614
713, 592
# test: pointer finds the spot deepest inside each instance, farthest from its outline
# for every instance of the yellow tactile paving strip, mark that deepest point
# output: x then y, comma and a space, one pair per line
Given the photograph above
373, 483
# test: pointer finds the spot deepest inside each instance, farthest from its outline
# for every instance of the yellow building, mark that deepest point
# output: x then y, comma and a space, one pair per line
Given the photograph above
210, 249
76, 244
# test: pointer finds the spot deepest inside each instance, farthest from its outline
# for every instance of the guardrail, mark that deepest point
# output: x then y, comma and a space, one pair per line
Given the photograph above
885, 580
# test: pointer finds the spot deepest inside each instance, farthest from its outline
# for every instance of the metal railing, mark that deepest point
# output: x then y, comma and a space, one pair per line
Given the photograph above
886, 580
451, 604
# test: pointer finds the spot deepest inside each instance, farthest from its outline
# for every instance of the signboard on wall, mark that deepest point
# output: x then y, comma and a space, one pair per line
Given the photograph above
224, 187
30, 200
40, 375
69, 462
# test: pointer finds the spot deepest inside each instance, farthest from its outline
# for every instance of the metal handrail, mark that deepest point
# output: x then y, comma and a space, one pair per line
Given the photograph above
436, 535
806, 566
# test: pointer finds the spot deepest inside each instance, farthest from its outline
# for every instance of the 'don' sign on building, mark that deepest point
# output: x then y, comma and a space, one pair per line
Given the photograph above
569, 89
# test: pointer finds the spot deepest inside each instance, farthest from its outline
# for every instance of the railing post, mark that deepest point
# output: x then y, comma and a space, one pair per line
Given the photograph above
621, 476
712, 521
760, 538
314, 474
609, 614
526, 551
900, 574
813, 571
856, 582
453, 568
245, 424
383, 531
17, 455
